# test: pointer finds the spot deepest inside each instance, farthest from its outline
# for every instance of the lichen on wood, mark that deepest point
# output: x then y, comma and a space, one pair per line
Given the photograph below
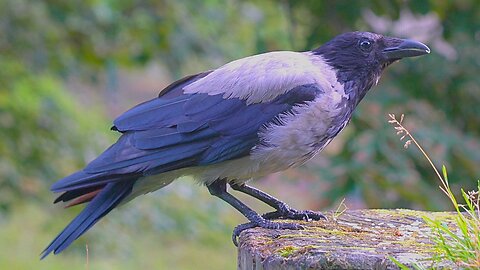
357, 239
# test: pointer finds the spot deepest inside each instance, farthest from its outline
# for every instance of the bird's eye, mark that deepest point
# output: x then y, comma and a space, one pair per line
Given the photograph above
366, 45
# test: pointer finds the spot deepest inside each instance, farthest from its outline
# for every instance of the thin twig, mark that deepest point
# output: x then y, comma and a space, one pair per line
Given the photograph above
400, 130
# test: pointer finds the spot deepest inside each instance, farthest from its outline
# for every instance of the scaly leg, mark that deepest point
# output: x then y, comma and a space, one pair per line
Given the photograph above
219, 189
283, 210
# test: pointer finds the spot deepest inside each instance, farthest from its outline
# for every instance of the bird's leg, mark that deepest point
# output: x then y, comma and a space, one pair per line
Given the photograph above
283, 210
219, 189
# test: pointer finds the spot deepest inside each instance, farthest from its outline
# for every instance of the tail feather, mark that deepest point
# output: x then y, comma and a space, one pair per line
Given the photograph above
83, 198
107, 199
82, 179
75, 193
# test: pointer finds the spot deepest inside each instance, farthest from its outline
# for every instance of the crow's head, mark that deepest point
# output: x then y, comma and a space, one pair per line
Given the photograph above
359, 58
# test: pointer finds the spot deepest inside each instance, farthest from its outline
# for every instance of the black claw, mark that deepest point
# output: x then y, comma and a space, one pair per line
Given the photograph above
289, 213
239, 229
306, 215
272, 215
267, 224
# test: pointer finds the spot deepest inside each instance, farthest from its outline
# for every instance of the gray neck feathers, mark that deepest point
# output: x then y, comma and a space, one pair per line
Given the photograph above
352, 73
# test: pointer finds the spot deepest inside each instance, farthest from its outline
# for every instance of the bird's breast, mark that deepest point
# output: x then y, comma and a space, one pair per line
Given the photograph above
302, 133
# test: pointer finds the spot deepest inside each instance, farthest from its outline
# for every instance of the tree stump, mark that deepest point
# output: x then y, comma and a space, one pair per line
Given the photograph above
357, 239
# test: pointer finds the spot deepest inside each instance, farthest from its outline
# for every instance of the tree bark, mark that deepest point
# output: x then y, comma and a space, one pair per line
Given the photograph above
356, 239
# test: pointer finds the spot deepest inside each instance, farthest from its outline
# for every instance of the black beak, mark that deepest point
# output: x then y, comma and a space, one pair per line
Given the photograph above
405, 48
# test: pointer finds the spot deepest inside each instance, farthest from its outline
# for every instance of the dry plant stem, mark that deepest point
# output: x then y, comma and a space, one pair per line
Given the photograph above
400, 130
87, 265
340, 209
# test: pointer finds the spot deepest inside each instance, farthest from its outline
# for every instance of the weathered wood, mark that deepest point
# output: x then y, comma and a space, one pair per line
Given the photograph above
357, 239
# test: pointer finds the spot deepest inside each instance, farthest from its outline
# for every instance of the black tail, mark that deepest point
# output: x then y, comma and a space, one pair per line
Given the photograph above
107, 199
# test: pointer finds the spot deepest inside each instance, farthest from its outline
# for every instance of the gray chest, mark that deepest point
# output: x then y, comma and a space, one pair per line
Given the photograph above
303, 133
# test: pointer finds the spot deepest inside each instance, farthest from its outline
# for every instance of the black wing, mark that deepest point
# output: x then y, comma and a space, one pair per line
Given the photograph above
180, 130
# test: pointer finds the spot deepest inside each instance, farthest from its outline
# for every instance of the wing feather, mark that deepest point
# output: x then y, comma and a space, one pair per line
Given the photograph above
185, 130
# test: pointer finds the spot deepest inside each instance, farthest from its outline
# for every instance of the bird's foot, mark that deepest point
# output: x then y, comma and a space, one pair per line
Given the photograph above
263, 223
290, 213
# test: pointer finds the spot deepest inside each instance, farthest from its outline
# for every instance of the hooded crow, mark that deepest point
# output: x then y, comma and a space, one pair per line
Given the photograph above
249, 118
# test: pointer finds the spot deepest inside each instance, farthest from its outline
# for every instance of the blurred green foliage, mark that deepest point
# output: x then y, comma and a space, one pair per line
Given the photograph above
45, 134
48, 130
